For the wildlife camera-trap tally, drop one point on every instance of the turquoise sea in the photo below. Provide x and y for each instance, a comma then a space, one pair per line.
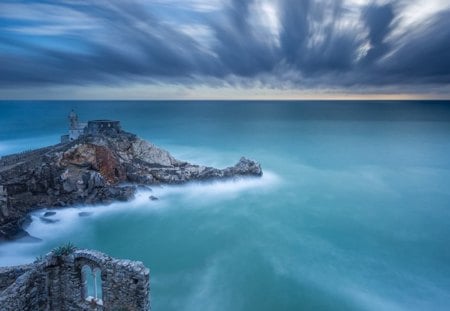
352, 213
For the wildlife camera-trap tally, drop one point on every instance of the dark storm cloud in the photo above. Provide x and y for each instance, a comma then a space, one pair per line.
378, 20
238, 49
118, 42
335, 53
135, 44
426, 55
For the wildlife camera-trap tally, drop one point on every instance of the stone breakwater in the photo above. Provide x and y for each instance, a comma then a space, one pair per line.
97, 168
62, 282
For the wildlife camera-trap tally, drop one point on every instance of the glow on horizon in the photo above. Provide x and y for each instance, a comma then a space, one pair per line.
181, 92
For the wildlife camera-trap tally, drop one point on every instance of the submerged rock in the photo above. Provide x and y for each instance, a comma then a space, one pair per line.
153, 198
96, 168
48, 220
84, 214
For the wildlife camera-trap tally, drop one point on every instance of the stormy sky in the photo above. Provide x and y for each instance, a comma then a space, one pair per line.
224, 49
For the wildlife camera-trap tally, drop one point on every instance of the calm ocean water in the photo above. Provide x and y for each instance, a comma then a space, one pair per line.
352, 213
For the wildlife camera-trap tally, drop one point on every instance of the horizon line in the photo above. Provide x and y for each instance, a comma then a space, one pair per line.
232, 99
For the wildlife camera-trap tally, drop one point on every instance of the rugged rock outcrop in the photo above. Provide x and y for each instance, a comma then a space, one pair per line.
95, 168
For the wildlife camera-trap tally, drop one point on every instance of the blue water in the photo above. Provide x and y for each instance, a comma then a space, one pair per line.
352, 213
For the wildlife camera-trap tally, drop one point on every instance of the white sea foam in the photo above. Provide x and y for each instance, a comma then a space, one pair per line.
16, 253
368, 300
220, 189
67, 221
209, 288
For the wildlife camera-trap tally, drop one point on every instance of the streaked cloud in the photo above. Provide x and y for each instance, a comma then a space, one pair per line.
268, 46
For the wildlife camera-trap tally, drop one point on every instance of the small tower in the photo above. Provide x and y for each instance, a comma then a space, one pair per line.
76, 128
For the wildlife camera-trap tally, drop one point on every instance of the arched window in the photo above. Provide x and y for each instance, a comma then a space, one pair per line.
92, 285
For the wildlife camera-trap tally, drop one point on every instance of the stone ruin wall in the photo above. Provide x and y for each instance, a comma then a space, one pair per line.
96, 127
57, 283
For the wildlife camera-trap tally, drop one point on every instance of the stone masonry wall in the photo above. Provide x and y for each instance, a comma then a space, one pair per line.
27, 293
9, 274
57, 283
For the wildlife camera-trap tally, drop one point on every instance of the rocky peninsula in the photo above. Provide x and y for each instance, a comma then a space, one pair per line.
99, 164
